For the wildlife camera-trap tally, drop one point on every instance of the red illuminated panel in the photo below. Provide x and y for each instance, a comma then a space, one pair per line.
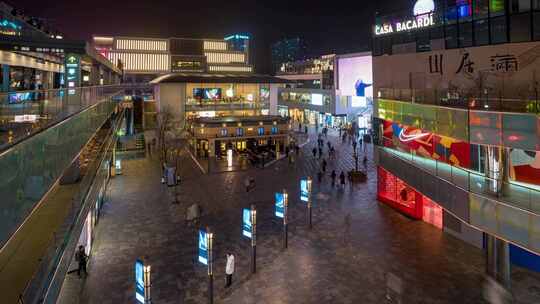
397, 194
432, 213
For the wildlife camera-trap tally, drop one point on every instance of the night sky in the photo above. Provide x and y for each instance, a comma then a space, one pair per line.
328, 26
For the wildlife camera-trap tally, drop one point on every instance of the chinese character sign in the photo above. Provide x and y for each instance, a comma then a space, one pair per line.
139, 281
279, 204
203, 247
246, 222
304, 193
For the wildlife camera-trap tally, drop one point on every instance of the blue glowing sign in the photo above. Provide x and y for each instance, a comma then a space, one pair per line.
236, 36
280, 199
203, 247
246, 222
9, 28
139, 281
304, 193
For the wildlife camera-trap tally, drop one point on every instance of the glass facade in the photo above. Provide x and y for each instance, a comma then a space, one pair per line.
466, 23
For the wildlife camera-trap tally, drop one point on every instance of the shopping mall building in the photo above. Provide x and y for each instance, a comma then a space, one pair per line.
457, 126
332, 90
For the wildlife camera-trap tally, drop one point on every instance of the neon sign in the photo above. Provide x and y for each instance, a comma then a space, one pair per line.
407, 25
9, 28
236, 37
422, 7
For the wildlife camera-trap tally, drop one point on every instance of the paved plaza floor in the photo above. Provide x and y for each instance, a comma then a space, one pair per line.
385, 257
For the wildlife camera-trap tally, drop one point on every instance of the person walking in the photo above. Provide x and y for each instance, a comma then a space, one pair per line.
324, 165
319, 176
320, 152
229, 269
333, 176
354, 145
81, 258
314, 151
305, 129
329, 145
342, 179
247, 183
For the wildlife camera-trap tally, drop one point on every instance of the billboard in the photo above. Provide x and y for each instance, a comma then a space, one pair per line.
246, 222
355, 79
203, 247
317, 99
139, 281
304, 194
279, 204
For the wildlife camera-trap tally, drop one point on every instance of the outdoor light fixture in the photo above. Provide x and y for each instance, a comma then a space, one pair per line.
229, 158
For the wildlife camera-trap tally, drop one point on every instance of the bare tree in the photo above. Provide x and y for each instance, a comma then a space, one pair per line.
164, 121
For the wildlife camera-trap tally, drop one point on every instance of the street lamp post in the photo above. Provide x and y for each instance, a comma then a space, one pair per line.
253, 239
285, 214
147, 284
210, 237
310, 203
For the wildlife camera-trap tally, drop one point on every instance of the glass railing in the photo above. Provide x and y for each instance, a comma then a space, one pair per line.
31, 167
529, 103
513, 194
47, 280
25, 113
513, 130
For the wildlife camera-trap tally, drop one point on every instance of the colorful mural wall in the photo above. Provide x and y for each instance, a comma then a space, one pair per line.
525, 166
427, 144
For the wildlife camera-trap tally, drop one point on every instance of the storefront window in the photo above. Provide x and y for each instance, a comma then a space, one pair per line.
274, 130
481, 32
520, 28
496, 8
520, 6
261, 130
240, 131
451, 36
481, 9
465, 34
498, 30
224, 132
536, 26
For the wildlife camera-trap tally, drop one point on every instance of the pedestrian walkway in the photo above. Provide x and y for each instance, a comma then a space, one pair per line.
383, 253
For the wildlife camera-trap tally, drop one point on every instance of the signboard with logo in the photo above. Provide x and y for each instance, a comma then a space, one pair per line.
304, 192
73, 70
246, 222
203, 247
139, 281
422, 18
9, 28
279, 204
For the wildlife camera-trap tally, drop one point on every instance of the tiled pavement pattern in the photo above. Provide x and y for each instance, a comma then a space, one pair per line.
320, 266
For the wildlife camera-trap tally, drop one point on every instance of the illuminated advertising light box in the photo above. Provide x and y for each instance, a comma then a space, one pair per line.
139, 281
265, 93
246, 222
203, 247
20, 97
317, 99
279, 204
304, 194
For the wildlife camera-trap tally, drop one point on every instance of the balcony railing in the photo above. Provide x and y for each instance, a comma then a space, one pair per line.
511, 193
529, 103
25, 113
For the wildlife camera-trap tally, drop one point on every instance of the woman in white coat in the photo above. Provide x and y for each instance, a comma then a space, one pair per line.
229, 269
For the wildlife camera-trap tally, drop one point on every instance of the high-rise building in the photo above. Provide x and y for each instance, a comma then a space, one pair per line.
288, 50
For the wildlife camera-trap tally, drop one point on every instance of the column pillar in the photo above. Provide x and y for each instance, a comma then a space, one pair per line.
5, 78
497, 259
497, 168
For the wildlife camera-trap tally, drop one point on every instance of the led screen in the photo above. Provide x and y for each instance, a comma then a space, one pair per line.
139, 281
317, 99
280, 207
304, 193
207, 93
356, 78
